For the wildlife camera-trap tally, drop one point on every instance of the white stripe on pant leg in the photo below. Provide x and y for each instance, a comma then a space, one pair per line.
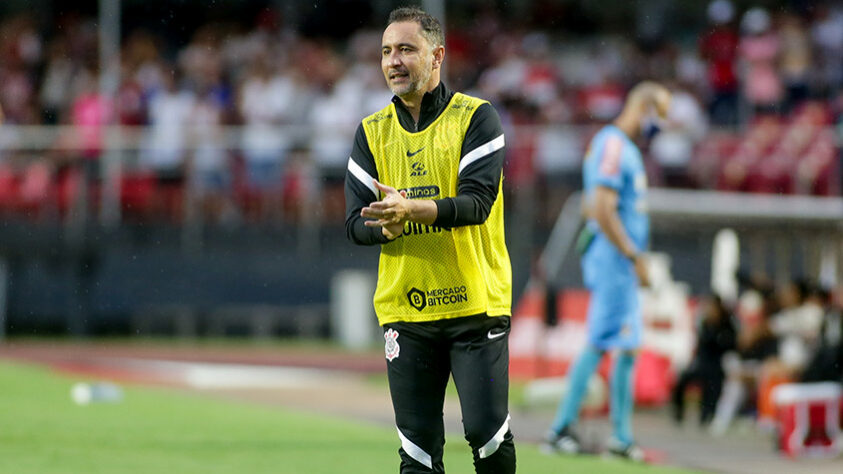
414, 451
492, 446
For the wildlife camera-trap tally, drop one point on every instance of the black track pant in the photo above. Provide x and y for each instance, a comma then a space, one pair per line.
710, 379
475, 350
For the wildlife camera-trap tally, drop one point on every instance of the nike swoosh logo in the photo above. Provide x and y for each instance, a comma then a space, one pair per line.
409, 155
492, 335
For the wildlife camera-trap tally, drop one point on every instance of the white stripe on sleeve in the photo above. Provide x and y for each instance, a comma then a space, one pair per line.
362, 176
481, 151
415, 451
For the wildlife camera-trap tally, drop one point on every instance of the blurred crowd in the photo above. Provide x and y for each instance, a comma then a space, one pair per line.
766, 87
773, 334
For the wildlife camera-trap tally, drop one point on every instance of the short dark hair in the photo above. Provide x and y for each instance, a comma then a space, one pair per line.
431, 28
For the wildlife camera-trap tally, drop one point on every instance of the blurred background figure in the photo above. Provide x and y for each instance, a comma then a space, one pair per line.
796, 60
673, 148
719, 49
798, 325
756, 344
826, 362
265, 103
614, 265
170, 111
827, 39
758, 53
716, 336
210, 164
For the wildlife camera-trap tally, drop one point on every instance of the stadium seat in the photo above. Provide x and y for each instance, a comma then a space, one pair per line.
137, 194
9, 184
782, 155
653, 378
36, 189
808, 418
710, 156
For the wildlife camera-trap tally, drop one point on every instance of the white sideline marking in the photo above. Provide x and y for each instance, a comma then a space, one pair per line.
205, 375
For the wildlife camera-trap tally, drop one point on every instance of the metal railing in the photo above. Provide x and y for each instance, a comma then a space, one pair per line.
786, 225
120, 151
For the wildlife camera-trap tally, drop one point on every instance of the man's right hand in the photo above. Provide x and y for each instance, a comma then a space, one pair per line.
395, 209
392, 231
642, 269
390, 213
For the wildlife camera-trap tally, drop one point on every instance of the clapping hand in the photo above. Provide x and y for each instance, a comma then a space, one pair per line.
390, 213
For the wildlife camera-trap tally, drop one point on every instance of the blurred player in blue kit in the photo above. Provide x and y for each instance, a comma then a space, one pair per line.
612, 245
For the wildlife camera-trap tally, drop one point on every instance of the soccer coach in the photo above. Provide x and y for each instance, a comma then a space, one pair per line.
424, 183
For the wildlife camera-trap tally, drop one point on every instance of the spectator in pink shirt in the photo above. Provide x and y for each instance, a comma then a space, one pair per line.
759, 53
90, 112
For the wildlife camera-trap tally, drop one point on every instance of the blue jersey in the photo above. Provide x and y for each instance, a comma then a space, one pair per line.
614, 161
614, 315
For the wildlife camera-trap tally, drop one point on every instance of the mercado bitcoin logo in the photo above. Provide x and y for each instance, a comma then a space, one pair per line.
439, 297
416, 297
446, 296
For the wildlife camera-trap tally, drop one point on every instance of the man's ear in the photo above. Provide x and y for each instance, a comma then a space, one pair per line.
438, 56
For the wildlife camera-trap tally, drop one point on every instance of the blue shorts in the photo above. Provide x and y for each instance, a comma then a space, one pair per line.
264, 175
614, 312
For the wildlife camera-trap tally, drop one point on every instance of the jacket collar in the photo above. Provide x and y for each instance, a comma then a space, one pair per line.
432, 105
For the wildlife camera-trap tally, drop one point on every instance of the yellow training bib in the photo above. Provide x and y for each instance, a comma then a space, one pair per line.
431, 273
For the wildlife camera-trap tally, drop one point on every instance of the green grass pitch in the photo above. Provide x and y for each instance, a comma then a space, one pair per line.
157, 430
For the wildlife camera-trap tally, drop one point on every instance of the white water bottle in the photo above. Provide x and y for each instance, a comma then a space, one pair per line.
100, 392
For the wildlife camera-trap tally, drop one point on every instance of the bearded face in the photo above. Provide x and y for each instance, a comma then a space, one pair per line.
406, 59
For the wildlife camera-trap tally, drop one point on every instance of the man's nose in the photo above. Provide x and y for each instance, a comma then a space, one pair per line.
393, 59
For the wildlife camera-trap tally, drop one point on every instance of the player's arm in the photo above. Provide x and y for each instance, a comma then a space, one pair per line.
585, 209
360, 192
480, 171
605, 211
604, 205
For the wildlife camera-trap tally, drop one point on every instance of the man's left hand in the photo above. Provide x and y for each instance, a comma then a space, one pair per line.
390, 213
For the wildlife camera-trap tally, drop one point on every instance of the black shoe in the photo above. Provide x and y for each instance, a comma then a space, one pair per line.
565, 442
677, 416
629, 451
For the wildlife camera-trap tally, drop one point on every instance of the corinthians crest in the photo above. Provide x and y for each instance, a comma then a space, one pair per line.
391, 348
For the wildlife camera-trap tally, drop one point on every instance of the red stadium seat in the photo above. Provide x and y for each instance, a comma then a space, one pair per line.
780, 155
69, 182
137, 194
808, 418
653, 378
36, 188
9, 184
